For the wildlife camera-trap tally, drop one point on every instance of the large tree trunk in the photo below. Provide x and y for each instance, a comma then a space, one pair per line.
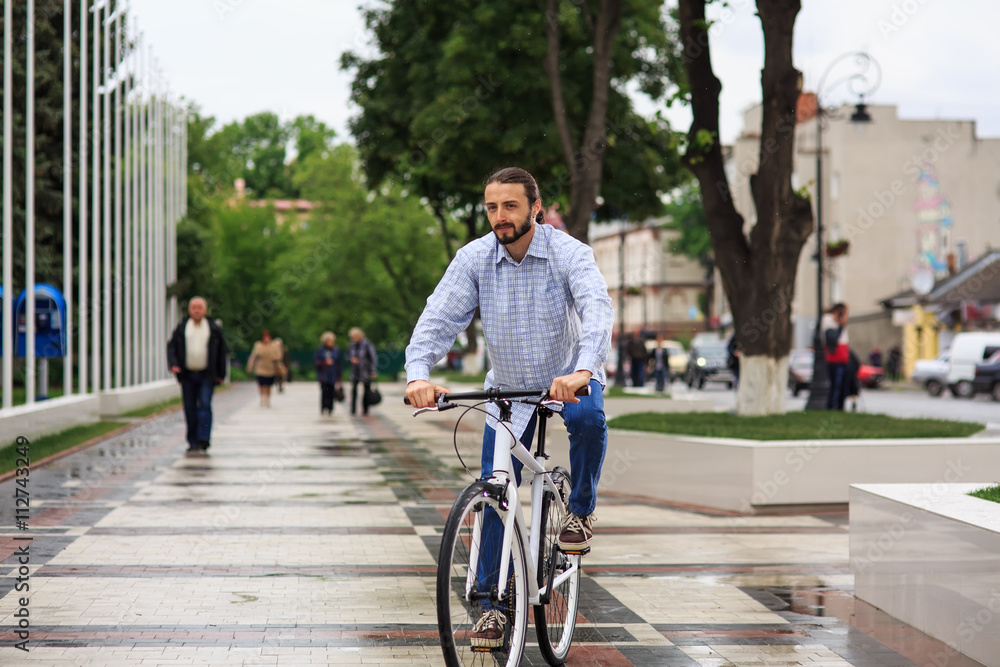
586, 161
758, 272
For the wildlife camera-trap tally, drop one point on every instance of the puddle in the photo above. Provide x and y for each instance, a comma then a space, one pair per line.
807, 601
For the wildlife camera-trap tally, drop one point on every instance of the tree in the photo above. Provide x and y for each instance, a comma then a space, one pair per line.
757, 268
365, 259
458, 89
248, 243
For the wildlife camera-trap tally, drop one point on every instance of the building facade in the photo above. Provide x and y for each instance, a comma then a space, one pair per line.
914, 200
651, 288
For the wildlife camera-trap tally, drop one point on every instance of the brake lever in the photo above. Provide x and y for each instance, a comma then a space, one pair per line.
422, 410
551, 403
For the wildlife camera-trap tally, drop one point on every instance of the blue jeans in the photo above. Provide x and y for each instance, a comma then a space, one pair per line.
661, 379
838, 378
588, 442
196, 390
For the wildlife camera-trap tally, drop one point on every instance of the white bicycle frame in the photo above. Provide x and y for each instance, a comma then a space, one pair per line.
505, 446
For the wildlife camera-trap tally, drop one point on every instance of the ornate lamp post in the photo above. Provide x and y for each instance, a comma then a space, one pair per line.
863, 79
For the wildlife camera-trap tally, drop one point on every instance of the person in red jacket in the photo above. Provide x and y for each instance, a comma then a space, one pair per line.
838, 354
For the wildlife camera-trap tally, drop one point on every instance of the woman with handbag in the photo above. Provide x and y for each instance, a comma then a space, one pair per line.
364, 362
265, 364
329, 366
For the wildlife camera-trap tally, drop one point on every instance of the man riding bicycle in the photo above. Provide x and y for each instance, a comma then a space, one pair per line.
547, 319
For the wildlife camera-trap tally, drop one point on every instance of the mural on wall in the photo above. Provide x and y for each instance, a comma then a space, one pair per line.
934, 226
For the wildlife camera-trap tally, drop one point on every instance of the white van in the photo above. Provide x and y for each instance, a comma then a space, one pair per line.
968, 349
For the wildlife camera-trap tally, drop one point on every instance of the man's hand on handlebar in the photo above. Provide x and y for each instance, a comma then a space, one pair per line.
564, 387
423, 394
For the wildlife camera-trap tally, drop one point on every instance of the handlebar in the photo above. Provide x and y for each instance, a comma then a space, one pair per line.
496, 394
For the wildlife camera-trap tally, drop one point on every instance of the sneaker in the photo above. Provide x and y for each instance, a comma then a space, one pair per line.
577, 532
489, 630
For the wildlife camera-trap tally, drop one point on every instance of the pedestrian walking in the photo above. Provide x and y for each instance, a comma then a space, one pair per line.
893, 363
286, 366
638, 356
265, 363
196, 355
733, 355
364, 366
329, 366
835, 347
661, 365
547, 320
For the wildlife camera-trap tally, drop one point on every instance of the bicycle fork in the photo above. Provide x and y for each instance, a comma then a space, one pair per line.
510, 505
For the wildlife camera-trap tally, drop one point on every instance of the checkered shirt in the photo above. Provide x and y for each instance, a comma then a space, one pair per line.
546, 316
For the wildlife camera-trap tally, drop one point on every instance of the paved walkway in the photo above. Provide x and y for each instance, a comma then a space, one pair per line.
308, 540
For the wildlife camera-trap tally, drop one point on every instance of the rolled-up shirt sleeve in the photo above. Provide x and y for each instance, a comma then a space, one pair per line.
448, 311
593, 305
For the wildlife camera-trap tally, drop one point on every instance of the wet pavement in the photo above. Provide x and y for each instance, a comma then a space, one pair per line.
309, 540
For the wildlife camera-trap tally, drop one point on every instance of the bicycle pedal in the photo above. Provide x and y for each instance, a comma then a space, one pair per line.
575, 552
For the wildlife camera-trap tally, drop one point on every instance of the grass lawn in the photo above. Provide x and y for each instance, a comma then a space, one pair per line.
154, 408
988, 493
19, 393
810, 425
614, 391
40, 448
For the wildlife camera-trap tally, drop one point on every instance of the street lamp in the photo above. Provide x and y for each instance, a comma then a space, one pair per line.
620, 370
862, 80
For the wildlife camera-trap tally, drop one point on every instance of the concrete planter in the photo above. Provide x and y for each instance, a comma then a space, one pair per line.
929, 555
748, 475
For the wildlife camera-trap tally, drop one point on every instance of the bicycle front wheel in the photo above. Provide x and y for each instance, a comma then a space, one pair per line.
468, 582
558, 578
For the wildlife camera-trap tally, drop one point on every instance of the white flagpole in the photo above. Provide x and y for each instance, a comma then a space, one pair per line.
8, 205
161, 307
118, 276
143, 218
129, 219
67, 286
106, 301
29, 213
82, 204
150, 220
95, 213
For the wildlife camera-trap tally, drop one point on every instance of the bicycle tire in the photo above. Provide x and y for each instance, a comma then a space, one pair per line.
555, 621
456, 615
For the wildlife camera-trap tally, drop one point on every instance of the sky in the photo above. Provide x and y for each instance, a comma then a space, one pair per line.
234, 58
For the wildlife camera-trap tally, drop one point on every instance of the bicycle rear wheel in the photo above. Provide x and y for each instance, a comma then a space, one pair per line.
457, 609
555, 621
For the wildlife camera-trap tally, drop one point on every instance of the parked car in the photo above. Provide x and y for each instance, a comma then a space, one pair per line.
932, 374
709, 363
987, 378
968, 349
870, 376
800, 370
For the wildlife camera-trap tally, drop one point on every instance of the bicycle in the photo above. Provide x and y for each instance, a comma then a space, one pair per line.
535, 571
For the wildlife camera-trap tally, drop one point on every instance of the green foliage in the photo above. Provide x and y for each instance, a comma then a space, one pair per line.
991, 493
367, 260
810, 425
687, 215
249, 244
458, 89
255, 149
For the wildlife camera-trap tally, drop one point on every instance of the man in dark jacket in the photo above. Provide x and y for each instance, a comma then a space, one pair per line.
196, 354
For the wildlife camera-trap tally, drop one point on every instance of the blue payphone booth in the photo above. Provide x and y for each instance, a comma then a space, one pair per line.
50, 329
